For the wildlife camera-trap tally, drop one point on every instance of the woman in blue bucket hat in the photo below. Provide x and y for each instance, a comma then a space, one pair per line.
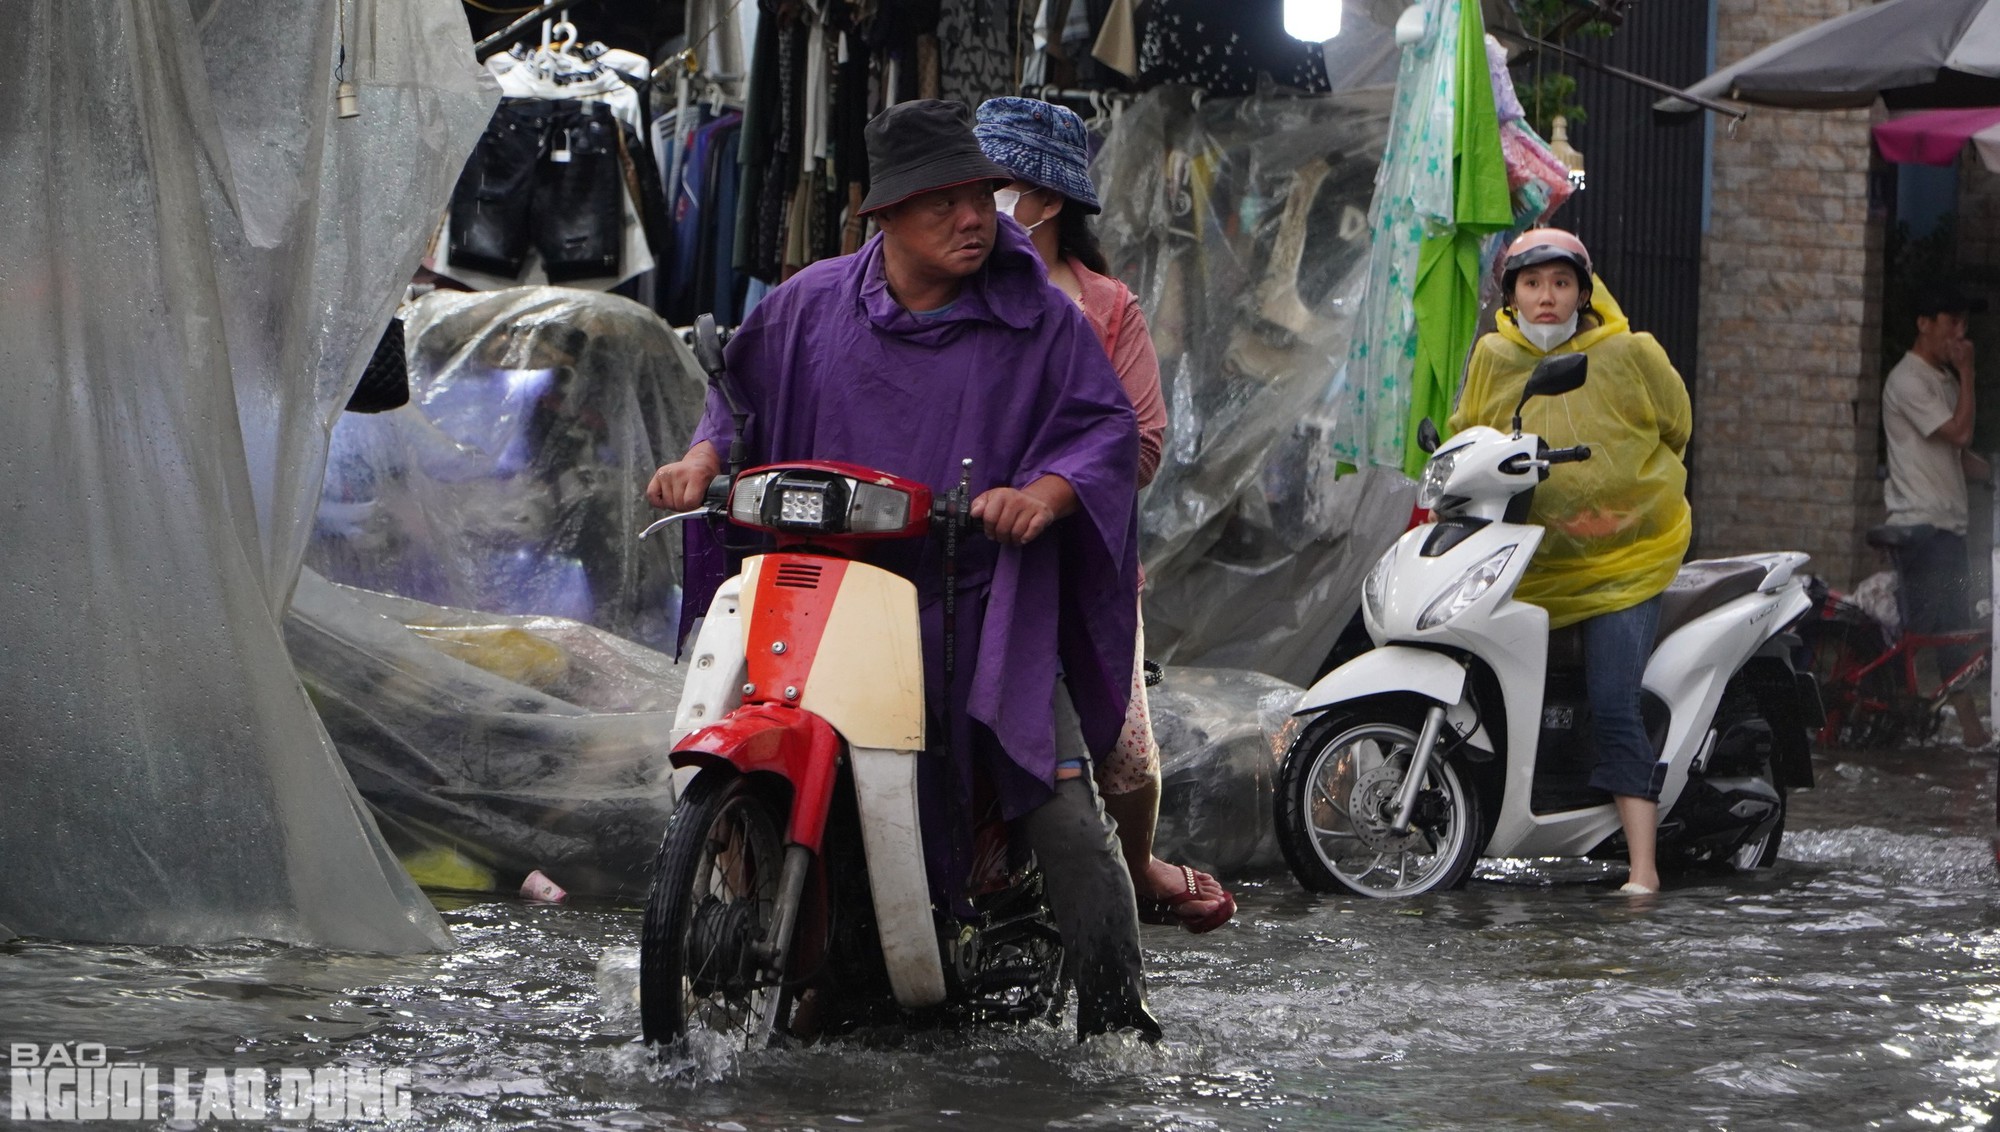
1046, 148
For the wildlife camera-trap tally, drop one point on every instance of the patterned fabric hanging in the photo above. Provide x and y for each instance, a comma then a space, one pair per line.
1413, 200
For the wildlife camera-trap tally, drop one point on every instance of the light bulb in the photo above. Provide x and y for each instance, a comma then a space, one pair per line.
1314, 21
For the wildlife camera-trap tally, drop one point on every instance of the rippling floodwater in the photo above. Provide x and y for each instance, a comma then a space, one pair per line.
1856, 985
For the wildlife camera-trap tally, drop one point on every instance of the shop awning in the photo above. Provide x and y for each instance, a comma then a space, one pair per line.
1935, 137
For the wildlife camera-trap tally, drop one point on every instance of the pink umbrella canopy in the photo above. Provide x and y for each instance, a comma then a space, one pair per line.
1935, 137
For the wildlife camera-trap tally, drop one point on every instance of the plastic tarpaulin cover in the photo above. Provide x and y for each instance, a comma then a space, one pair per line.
1223, 734
1242, 225
497, 744
200, 259
514, 481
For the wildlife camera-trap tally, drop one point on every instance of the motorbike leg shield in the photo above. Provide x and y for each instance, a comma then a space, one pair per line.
885, 791
1091, 894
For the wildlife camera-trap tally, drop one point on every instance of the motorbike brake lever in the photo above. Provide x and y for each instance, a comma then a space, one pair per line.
658, 523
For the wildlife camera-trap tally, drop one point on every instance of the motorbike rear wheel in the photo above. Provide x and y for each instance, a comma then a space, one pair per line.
713, 901
1336, 801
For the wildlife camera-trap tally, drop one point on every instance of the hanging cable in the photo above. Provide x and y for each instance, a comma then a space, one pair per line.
346, 99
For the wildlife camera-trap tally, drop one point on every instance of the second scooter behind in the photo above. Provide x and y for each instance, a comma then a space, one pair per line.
1466, 732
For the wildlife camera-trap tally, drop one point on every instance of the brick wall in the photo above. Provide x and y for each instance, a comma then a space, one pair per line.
1787, 386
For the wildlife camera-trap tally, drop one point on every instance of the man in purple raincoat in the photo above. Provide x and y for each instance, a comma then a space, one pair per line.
941, 341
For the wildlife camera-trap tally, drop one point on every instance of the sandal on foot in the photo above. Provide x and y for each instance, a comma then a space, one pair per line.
1166, 911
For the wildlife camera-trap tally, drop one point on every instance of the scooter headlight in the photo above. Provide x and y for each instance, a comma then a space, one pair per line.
1470, 587
1430, 490
1376, 583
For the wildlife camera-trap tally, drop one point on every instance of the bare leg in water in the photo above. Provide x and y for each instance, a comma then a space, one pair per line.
1641, 820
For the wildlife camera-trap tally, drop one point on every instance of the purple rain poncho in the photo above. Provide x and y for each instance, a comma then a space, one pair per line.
831, 367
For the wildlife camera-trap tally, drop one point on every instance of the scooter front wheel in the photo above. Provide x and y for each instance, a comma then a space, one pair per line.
713, 902
1337, 801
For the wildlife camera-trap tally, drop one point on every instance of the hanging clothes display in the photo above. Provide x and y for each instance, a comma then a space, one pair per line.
977, 43
1447, 296
1413, 200
562, 188
699, 273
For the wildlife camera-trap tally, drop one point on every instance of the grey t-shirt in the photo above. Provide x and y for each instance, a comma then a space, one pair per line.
1926, 478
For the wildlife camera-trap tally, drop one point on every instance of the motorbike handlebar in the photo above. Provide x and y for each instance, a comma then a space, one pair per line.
942, 518
1567, 455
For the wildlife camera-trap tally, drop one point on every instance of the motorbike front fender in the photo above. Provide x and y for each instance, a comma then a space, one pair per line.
1391, 668
795, 745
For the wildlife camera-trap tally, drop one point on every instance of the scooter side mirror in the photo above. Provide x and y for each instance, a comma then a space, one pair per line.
707, 339
1427, 436
1552, 376
1556, 375
708, 342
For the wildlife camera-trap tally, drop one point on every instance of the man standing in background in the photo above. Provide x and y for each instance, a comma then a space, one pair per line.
1927, 414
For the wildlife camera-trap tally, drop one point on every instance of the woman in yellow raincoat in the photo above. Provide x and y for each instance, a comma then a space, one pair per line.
1618, 524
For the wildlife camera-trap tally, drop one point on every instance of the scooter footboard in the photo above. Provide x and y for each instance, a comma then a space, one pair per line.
885, 791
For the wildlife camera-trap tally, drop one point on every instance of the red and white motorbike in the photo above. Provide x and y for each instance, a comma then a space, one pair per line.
790, 896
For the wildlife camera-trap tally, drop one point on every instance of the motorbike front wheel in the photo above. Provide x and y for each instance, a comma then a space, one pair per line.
1337, 800
713, 901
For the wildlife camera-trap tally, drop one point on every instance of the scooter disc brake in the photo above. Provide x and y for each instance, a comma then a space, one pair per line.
1374, 810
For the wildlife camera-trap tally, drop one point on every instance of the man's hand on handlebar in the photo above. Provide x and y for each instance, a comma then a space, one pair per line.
1017, 517
681, 485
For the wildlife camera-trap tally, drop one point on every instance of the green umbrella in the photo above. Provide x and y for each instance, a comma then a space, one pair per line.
1447, 292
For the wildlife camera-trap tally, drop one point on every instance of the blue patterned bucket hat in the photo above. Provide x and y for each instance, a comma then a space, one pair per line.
1042, 143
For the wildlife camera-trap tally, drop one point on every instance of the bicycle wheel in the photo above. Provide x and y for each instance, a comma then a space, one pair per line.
1854, 705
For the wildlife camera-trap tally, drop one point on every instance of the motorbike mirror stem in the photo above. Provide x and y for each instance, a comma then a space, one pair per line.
708, 339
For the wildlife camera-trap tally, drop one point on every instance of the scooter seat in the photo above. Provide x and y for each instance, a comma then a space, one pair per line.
1699, 587
1706, 585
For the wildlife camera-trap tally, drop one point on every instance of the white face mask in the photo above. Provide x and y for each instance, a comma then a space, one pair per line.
1006, 200
1548, 335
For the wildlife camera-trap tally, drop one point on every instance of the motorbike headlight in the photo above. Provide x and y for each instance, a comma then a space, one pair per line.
746, 502
1377, 581
878, 509
1430, 490
1470, 587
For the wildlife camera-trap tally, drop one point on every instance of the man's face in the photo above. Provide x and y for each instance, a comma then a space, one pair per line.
945, 233
1937, 332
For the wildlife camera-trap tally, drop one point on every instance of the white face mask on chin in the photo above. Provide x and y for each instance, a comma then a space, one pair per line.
1547, 336
1005, 201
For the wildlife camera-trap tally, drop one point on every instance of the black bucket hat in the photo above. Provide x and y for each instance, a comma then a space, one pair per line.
915, 147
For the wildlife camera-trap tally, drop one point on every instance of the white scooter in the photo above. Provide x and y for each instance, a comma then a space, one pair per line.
1466, 731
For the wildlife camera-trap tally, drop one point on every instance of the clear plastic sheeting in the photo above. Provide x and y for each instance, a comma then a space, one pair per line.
489, 747
1223, 733
200, 258
514, 480
1242, 223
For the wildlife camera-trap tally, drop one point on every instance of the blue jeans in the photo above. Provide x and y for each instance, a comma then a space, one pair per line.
1616, 647
1935, 592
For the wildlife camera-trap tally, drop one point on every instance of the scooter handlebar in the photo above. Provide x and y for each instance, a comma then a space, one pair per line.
1567, 455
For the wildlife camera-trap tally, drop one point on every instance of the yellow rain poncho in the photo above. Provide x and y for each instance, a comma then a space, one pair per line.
1618, 523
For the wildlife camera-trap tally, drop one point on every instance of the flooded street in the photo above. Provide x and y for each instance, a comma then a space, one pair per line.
1856, 985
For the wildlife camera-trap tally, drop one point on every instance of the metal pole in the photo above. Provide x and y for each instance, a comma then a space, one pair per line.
1628, 76
500, 40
